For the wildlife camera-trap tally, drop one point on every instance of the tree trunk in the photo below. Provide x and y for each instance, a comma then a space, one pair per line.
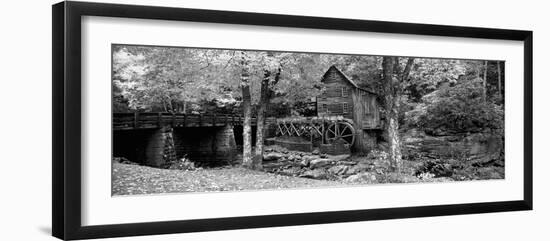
393, 138
164, 106
260, 121
393, 82
484, 94
499, 82
173, 105
247, 113
247, 130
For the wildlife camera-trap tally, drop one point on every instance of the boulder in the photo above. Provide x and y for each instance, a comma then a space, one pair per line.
441, 143
273, 156
339, 157
293, 171
295, 157
315, 174
319, 162
365, 177
123, 160
338, 170
437, 167
347, 163
490, 173
309, 158
315, 152
290, 157
360, 167
304, 162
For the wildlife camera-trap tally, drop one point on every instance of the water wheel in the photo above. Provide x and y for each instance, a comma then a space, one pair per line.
340, 131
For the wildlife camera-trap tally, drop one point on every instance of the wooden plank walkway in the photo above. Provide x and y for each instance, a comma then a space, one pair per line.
151, 120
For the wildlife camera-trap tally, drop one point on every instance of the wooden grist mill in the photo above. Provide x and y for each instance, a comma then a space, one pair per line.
348, 119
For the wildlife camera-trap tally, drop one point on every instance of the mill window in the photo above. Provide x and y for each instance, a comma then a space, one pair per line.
324, 108
345, 108
345, 91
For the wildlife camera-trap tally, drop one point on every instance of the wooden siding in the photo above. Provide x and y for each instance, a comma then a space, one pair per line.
337, 93
367, 106
371, 110
366, 117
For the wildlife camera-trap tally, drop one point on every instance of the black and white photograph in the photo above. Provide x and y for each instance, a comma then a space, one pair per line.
275, 120
211, 120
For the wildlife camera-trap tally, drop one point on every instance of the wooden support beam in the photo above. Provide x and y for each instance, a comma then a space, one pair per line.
280, 129
323, 132
173, 119
159, 119
136, 116
295, 129
311, 131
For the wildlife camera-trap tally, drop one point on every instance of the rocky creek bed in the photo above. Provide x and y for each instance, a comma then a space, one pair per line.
375, 168
370, 169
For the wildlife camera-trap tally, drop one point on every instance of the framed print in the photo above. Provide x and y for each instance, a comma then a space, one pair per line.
172, 120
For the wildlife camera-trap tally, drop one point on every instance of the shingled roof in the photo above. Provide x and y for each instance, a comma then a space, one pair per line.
347, 78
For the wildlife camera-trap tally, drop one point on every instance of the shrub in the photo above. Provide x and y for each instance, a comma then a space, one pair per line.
182, 164
461, 109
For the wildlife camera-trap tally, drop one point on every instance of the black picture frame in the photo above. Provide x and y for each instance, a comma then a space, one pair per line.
66, 184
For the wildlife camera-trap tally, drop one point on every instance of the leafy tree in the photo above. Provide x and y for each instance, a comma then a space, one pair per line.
161, 78
120, 103
394, 76
430, 74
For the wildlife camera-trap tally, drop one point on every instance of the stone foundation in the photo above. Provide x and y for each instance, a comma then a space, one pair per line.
472, 146
206, 145
160, 148
335, 149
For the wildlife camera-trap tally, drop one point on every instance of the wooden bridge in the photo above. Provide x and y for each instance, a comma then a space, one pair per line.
158, 138
149, 120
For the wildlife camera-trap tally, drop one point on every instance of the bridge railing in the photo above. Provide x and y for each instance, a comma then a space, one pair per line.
158, 119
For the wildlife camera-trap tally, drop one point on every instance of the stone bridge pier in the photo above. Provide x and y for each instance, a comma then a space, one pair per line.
161, 146
206, 145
